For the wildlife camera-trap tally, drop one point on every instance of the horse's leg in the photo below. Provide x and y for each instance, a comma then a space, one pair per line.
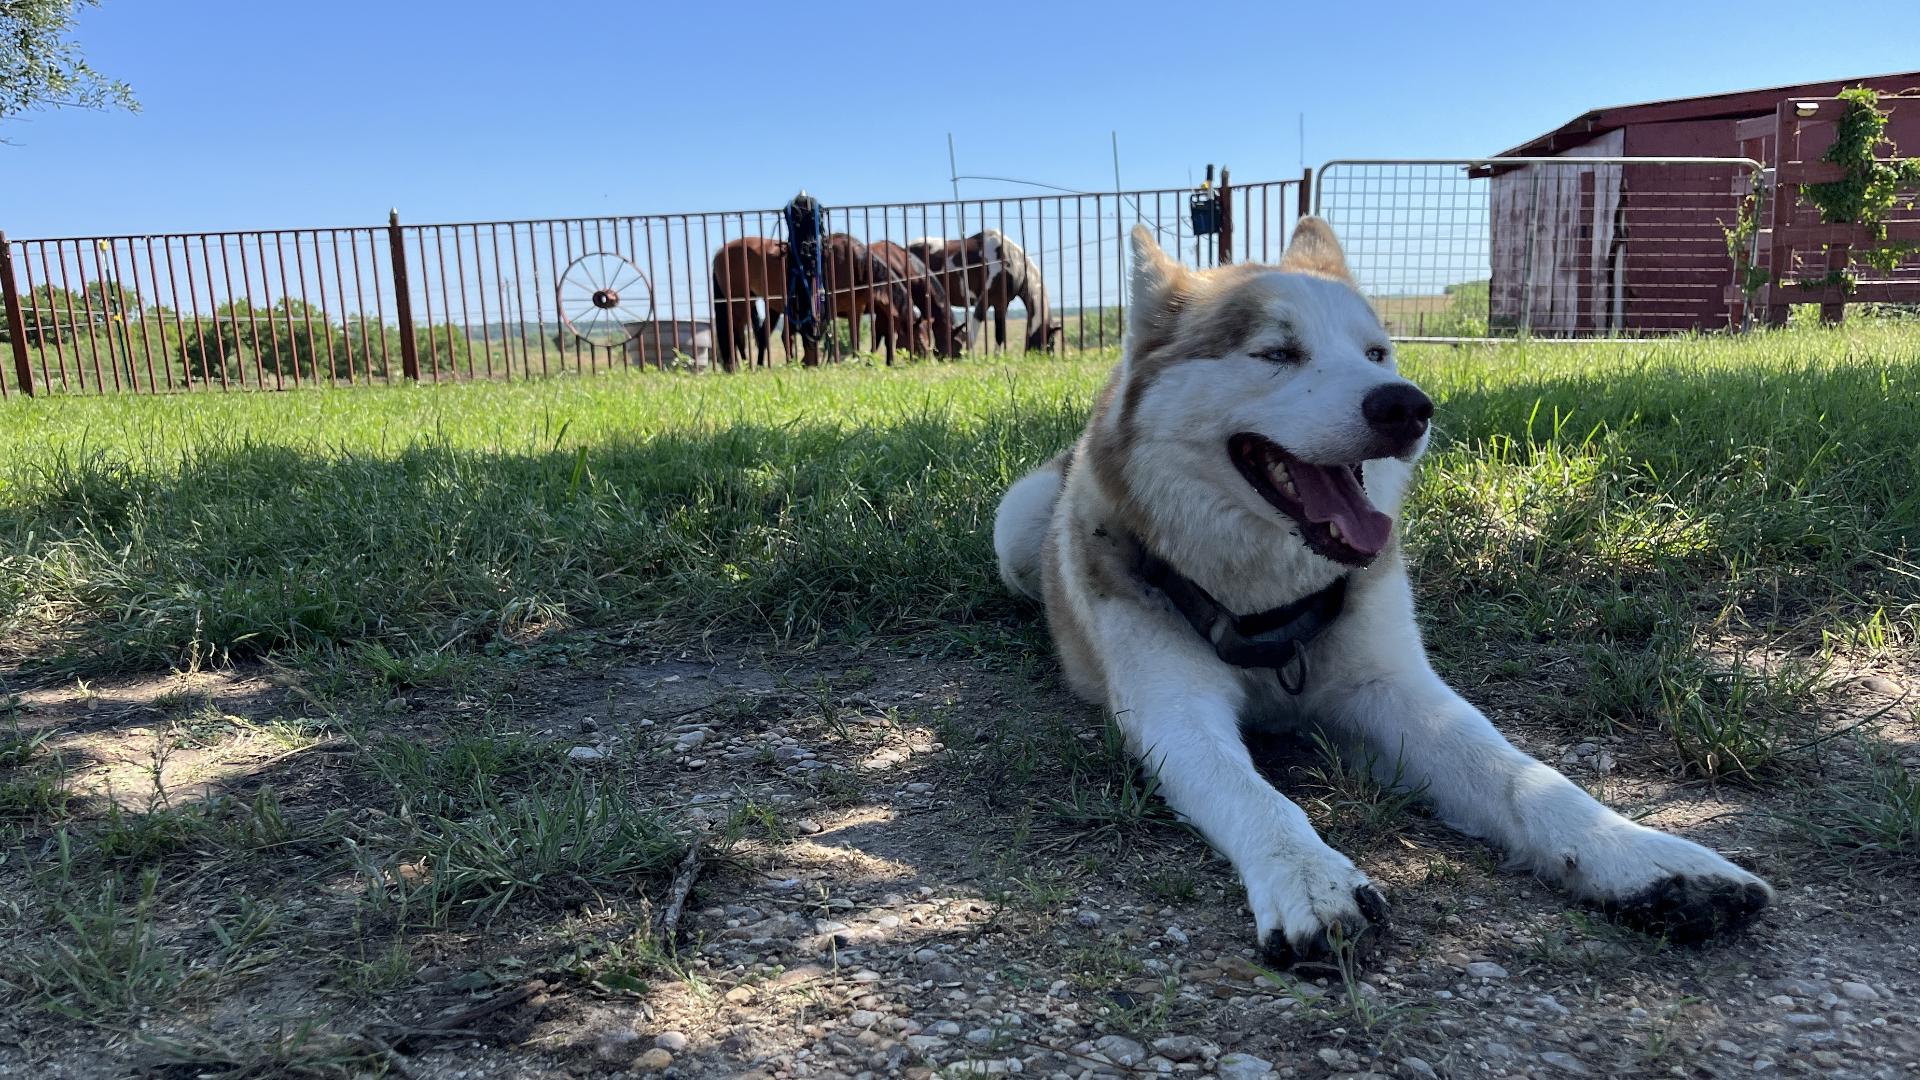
760, 326
723, 332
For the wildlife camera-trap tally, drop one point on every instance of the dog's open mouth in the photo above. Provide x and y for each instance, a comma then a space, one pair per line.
1328, 502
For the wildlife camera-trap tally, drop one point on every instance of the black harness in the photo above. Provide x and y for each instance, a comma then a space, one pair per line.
1275, 638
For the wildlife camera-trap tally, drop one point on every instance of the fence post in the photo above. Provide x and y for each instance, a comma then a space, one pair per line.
402, 298
16, 319
1306, 194
1835, 312
1785, 198
1224, 251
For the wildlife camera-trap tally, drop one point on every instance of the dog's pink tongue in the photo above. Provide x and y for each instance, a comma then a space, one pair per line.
1333, 494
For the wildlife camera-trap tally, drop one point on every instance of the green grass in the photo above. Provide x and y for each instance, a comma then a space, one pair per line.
105, 957
1873, 810
1647, 527
488, 821
181, 531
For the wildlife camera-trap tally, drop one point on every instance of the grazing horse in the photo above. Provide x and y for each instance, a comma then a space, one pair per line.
744, 269
860, 282
988, 271
929, 296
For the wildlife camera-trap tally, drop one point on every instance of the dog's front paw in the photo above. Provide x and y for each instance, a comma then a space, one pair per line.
1668, 886
1689, 908
1307, 910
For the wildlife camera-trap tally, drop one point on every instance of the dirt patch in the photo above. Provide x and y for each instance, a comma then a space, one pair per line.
916, 866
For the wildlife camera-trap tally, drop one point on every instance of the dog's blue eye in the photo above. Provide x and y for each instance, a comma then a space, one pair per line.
1283, 354
1377, 354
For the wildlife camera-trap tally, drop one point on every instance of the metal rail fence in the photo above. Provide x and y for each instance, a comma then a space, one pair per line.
284, 308
1549, 247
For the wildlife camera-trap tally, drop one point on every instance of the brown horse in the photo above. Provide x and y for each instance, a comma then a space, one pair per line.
743, 270
929, 295
987, 271
860, 282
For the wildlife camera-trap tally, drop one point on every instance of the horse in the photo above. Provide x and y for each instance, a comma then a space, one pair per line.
745, 269
988, 271
929, 296
860, 282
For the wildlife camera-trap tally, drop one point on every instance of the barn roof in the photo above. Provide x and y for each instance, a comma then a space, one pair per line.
1730, 105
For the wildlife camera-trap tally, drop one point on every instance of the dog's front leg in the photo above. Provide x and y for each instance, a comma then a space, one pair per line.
1420, 734
1179, 707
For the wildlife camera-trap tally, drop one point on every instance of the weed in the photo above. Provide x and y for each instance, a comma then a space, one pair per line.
1099, 966
141, 839
18, 747
36, 792
1099, 803
1871, 810
105, 960
1734, 722
624, 965
1171, 885
838, 788
411, 668
1145, 1015
1356, 805
550, 848
752, 815
462, 769
1665, 1028
365, 978
301, 1052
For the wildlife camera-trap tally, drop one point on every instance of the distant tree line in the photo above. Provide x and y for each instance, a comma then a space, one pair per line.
284, 338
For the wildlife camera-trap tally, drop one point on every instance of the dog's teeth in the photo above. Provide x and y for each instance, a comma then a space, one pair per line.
1333, 528
1283, 479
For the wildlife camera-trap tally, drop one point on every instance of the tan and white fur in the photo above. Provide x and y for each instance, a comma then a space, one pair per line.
1291, 354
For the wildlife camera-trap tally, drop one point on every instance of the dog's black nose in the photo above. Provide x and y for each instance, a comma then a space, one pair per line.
1398, 411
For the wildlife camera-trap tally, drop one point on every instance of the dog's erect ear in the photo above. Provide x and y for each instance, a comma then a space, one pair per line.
1157, 280
1314, 250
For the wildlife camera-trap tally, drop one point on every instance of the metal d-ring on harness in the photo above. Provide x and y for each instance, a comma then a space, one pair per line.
806, 223
1275, 638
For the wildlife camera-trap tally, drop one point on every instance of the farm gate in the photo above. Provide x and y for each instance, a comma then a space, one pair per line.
283, 308
1550, 247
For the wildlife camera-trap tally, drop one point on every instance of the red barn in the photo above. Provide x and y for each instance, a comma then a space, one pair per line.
1638, 248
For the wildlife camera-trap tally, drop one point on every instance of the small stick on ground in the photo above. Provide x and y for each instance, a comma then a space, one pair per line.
668, 927
460, 1023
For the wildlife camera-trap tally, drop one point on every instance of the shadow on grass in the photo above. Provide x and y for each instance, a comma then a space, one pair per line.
1650, 510
794, 532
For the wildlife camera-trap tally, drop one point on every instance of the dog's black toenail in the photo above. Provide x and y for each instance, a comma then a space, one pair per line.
1372, 904
1690, 910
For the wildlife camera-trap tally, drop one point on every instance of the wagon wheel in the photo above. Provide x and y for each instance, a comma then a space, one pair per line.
603, 298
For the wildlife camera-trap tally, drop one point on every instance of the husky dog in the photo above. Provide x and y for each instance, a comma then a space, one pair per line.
1220, 548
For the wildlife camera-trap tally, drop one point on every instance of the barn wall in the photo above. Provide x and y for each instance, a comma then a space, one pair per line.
1675, 219
1572, 214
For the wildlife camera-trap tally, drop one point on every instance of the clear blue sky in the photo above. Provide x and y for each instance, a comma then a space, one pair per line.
280, 114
